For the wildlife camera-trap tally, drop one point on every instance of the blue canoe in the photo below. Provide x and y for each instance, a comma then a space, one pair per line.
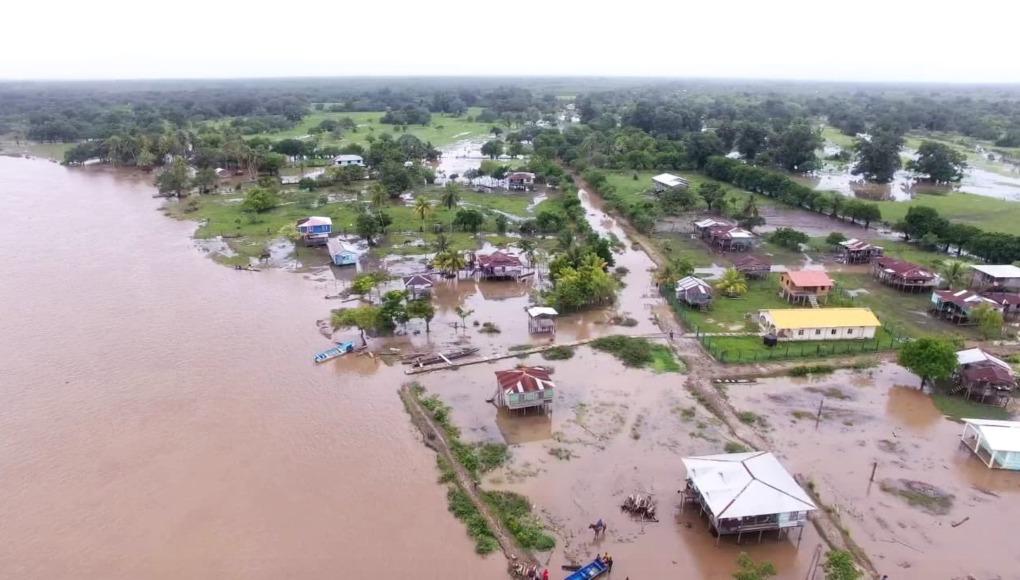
593, 570
339, 349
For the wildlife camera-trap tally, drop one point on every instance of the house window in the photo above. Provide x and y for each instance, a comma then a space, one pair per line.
800, 333
849, 331
833, 332
818, 331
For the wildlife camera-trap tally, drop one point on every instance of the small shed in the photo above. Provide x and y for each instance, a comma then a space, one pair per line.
666, 181
956, 305
694, 292
805, 286
1002, 277
524, 388
542, 320
345, 160
996, 443
753, 266
744, 493
854, 251
315, 230
984, 376
819, 323
418, 285
520, 181
342, 253
905, 276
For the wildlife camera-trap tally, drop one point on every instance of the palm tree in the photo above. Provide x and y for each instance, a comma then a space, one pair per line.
732, 283
442, 243
676, 269
378, 196
422, 209
954, 272
449, 261
451, 196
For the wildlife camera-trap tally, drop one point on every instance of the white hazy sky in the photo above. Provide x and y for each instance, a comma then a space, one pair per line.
859, 40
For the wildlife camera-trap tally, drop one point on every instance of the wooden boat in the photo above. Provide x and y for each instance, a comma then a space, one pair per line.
331, 353
421, 360
594, 569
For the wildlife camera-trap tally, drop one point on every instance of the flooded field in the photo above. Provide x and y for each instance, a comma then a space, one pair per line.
926, 482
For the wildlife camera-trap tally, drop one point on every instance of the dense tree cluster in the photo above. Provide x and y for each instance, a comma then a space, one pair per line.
924, 223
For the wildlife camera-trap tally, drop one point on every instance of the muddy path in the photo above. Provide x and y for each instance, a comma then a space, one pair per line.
702, 369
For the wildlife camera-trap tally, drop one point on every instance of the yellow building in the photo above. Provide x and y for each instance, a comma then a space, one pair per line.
819, 323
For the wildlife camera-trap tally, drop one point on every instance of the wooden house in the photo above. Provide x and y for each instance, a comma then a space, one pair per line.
694, 292
956, 305
789, 324
904, 276
542, 320
854, 251
753, 266
996, 278
315, 230
745, 493
996, 443
418, 285
1009, 301
805, 286
520, 181
667, 181
524, 388
729, 238
983, 377
342, 253
498, 265
702, 226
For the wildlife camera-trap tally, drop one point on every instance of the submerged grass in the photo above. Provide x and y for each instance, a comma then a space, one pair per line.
957, 408
639, 352
514, 512
558, 353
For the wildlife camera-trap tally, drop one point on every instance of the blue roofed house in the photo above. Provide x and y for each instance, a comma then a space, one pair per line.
315, 230
342, 253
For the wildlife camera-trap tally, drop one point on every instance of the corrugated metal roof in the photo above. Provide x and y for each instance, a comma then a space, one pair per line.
976, 355
669, 180
737, 485
1004, 271
804, 278
541, 311
337, 246
524, 380
315, 220
417, 280
797, 318
999, 435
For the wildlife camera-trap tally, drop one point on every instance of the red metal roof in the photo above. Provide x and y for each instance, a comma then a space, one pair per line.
988, 372
965, 299
751, 262
1003, 298
521, 175
524, 380
498, 258
904, 269
809, 278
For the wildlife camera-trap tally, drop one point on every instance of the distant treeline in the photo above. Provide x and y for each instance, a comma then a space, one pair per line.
924, 224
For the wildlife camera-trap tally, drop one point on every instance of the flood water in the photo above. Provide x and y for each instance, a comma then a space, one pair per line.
160, 416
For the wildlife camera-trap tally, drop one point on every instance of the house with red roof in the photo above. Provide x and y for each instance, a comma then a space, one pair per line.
805, 286
984, 377
905, 276
524, 388
498, 264
854, 251
956, 305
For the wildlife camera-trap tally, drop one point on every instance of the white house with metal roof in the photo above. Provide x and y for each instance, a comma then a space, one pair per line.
345, 160
994, 277
746, 492
996, 443
666, 181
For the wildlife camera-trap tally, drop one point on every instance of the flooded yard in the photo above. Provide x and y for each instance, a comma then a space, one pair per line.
926, 483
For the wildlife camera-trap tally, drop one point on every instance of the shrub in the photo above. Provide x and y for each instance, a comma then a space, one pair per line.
558, 353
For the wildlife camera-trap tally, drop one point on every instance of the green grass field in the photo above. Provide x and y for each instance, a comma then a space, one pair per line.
55, 151
745, 349
731, 314
443, 130
834, 136
957, 407
988, 213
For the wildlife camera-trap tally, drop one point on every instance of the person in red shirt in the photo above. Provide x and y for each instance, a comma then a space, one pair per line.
545, 574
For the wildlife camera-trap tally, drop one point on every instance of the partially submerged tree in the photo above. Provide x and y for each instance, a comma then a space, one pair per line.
839, 565
940, 162
365, 318
878, 158
463, 314
175, 179
205, 179
751, 570
422, 309
931, 359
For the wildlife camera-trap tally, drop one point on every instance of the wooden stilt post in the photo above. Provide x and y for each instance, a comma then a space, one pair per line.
819, 416
873, 468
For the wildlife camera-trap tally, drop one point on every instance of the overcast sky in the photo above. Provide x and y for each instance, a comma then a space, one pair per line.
887, 40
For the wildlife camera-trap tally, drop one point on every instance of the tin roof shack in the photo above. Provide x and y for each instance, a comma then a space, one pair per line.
802, 286
418, 285
702, 226
315, 230
694, 292
498, 265
819, 323
524, 388
854, 251
666, 181
730, 238
996, 443
753, 266
745, 493
1009, 301
956, 305
905, 276
983, 376
342, 253
542, 320
520, 181
996, 278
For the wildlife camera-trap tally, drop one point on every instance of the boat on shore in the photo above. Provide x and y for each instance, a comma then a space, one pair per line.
341, 348
593, 569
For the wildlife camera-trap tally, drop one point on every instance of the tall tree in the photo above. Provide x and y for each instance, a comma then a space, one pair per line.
878, 158
794, 147
422, 209
492, 149
953, 272
422, 309
174, 179
205, 179
931, 359
989, 320
451, 196
713, 194
940, 162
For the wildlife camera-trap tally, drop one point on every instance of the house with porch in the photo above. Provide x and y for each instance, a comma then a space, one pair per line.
520, 181
542, 320
523, 389
956, 305
667, 181
805, 286
996, 278
694, 292
702, 226
417, 285
753, 266
498, 265
1009, 301
315, 230
341, 253
729, 238
854, 251
904, 276
983, 377
995, 443
789, 324
745, 493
